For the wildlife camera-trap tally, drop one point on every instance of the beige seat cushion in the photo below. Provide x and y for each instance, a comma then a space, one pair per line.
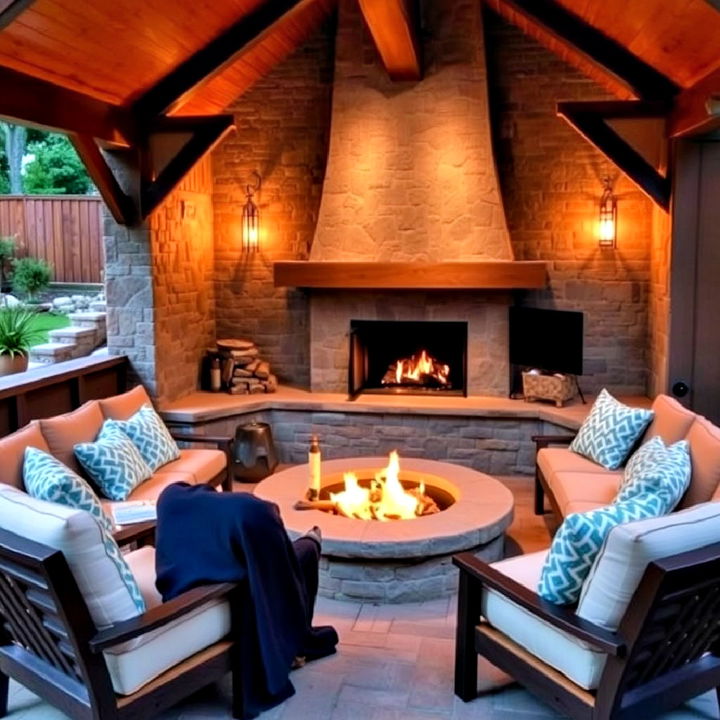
12, 452
671, 421
63, 432
555, 459
151, 488
200, 465
125, 405
135, 663
704, 439
558, 649
573, 487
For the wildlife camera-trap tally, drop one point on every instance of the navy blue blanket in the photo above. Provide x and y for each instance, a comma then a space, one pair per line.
204, 537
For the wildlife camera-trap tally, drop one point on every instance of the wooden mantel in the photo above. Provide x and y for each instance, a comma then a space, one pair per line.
480, 275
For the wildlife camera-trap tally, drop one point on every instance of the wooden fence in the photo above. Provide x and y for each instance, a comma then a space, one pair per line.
65, 230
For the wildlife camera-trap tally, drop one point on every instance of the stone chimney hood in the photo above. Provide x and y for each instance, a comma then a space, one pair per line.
411, 198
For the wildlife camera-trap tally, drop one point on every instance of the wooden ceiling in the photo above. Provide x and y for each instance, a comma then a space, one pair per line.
680, 38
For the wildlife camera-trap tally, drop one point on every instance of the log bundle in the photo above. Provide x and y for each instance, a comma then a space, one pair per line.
244, 372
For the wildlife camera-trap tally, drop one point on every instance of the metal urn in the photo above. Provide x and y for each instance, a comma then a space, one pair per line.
254, 453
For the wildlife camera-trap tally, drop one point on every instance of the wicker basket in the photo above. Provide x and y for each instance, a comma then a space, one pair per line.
548, 387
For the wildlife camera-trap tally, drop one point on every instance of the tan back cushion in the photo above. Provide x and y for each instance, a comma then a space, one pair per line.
671, 421
12, 452
63, 432
704, 439
123, 407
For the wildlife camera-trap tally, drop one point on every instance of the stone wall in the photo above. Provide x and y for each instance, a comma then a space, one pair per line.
282, 129
551, 179
410, 172
181, 232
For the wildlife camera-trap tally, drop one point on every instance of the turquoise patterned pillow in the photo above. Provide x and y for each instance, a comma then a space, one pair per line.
659, 469
113, 462
46, 478
150, 436
112, 550
610, 430
579, 540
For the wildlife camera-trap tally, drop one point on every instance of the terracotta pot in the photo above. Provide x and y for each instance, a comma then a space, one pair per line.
13, 364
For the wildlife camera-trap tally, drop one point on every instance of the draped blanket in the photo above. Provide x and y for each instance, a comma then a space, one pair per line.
205, 537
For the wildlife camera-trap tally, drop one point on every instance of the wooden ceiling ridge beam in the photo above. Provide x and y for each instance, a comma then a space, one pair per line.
206, 133
30, 100
622, 69
394, 27
590, 123
697, 108
187, 78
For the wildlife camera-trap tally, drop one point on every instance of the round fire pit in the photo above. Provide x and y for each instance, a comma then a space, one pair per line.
398, 560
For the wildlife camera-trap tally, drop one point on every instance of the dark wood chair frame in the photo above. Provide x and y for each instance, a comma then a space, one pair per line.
50, 644
541, 485
666, 649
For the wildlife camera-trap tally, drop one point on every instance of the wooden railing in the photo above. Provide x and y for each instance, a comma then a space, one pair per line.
59, 388
65, 230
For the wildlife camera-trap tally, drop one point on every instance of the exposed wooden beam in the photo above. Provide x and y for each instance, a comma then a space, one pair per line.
29, 100
393, 25
617, 109
206, 133
555, 26
697, 109
121, 206
178, 86
10, 9
592, 126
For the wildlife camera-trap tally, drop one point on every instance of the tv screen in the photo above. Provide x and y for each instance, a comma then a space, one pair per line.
550, 340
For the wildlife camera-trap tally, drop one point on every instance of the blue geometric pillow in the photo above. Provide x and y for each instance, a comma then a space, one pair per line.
46, 478
150, 436
112, 550
113, 463
579, 540
610, 431
656, 468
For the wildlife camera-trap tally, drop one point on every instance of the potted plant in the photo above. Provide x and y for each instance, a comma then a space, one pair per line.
18, 332
31, 276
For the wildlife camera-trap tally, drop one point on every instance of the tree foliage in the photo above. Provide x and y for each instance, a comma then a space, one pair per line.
56, 169
31, 276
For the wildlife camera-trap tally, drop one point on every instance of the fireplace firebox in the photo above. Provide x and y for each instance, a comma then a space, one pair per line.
407, 357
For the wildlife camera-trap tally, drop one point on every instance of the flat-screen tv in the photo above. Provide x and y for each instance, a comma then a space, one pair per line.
550, 340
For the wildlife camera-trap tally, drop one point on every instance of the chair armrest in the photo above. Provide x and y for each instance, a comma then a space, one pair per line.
543, 441
158, 616
143, 533
556, 615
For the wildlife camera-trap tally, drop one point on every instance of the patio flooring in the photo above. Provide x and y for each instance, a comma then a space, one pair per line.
394, 662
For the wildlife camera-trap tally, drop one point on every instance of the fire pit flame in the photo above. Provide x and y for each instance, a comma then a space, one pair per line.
420, 369
385, 499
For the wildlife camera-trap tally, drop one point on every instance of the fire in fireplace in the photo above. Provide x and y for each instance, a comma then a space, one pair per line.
411, 357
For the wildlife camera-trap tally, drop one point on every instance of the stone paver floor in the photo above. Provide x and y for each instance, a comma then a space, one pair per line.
394, 663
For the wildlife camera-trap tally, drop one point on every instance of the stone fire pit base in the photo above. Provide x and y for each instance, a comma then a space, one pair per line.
402, 560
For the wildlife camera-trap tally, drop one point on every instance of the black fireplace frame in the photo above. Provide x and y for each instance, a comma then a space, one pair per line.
358, 370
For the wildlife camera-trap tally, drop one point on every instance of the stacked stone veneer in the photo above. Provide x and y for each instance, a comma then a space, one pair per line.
551, 179
493, 444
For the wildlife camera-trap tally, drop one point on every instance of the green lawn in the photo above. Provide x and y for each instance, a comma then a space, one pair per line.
45, 322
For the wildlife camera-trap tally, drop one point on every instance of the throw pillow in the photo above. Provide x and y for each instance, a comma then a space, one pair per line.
578, 542
610, 430
46, 478
150, 436
113, 463
657, 469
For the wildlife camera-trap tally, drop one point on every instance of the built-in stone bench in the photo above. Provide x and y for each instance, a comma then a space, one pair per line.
489, 434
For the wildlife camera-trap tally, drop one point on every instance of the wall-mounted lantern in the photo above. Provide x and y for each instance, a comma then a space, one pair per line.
251, 218
607, 238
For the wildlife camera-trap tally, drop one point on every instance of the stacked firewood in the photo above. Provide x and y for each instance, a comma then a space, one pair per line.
243, 370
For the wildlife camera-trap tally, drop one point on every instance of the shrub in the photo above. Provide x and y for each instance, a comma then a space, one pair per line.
31, 276
18, 330
7, 251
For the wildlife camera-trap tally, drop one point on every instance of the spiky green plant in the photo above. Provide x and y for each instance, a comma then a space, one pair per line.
18, 330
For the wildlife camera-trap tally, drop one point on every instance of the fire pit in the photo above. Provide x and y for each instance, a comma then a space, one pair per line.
369, 560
